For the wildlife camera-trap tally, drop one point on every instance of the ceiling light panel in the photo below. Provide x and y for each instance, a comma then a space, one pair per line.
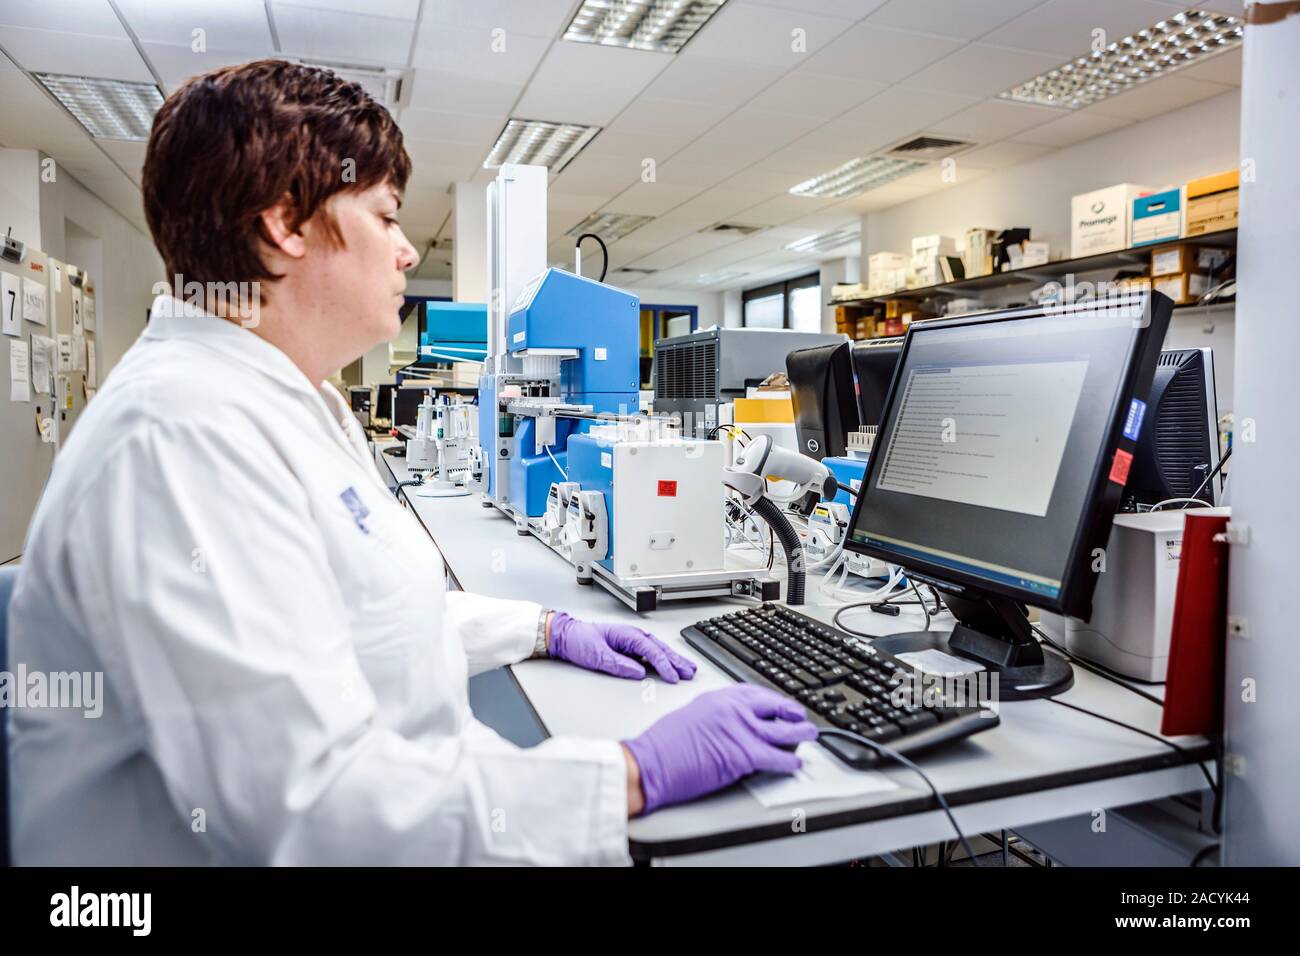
826, 240
610, 226
856, 176
383, 85
538, 143
107, 109
1183, 39
664, 26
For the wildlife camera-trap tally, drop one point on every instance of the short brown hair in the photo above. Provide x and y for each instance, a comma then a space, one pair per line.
232, 143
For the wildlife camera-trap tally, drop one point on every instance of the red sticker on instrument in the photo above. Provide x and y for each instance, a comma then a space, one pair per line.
1119, 468
667, 489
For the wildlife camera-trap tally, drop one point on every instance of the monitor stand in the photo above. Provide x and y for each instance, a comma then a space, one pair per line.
993, 631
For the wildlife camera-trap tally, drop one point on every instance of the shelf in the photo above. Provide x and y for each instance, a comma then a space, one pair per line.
1043, 273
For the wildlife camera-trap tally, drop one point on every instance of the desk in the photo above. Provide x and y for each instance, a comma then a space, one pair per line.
1043, 762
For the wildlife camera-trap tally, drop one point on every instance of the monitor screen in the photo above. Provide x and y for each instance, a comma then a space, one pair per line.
874, 361
999, 439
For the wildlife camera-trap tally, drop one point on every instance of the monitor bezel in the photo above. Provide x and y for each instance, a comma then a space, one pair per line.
1078, 580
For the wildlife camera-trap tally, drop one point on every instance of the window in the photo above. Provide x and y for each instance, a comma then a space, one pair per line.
793, 304
663, 322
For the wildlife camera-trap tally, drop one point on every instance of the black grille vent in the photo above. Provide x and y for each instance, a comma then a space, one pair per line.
1180, 449
687, 371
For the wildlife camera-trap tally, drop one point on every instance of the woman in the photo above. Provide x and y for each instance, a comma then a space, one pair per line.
284, 676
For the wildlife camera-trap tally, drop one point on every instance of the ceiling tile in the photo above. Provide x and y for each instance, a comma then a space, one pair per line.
967, 20
442, 153
1072, 128
435, 90
675, 172
94, 17
668, 118
128, 156
1159, 96
849, 9
894, 114
771, 37
398, 9
1001, 155
868, 52
442, 126
824, 97
993, 120
759, 132
596, 174
982, 70
723, 202
623, 144
471, 52
176, 64
43, 51
1066, 28
782, 209
650, 199
1224, 68
344, 37
584, 83
228, 25
538, 18
710, 82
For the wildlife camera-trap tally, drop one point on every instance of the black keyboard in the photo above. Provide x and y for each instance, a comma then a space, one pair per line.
841, 680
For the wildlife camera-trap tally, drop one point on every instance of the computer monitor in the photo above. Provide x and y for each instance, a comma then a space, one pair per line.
406, 403
874, 362
1005, 446
383, 407
821, 388
1180, 445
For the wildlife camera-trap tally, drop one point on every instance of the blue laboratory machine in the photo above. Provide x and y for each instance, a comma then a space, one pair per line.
566, 452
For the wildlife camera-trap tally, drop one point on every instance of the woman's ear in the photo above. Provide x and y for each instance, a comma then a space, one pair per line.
278, 229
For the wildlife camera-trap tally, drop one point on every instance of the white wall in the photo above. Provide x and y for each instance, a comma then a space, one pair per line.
75, 222
1194, 141
20, 195
708, 304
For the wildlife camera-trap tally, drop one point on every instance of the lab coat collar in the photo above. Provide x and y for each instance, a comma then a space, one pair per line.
175, 319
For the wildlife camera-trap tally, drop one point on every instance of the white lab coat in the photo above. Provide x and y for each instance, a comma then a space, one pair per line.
284, 671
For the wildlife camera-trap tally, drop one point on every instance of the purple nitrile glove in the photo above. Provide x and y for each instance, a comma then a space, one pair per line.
715, 740
615, 649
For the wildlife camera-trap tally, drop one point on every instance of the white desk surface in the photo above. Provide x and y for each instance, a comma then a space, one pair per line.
1043, 762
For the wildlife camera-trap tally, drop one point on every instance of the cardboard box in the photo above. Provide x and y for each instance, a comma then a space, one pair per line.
886, 272
934, 246
1157, 217
1212, 203
1185, 257
1099, 220
894, 308
1183, 288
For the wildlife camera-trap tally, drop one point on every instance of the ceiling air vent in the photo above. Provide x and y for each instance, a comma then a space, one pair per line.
928, 148
633, 271
732, 229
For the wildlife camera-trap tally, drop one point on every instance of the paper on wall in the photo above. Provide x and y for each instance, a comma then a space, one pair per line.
76, 311
92, 375
58, 278
78, 353
20, 388
42, 360
11, 307
34, 301
65, 354
88, 313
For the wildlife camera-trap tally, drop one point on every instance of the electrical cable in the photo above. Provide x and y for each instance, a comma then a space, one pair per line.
577, 246
408, 483
1098, 669
896, 756
563, 474
790, 544
920, 600
1202, 853
1185, 502
1137, 730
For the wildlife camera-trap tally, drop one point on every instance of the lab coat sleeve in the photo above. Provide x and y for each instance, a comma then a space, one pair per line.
225, 632
494, 631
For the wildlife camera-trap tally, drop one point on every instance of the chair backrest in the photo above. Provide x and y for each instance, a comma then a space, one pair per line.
8, 575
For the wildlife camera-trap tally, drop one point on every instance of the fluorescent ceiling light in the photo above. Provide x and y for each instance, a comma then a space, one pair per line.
610, 226
1157, 51
538, 143
855, 176
108, 109
661, 25
826, 240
